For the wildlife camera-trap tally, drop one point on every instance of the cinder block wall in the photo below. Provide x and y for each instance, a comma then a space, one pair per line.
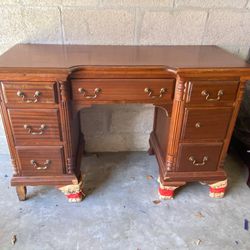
116, 128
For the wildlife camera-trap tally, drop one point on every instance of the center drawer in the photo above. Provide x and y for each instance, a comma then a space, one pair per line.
38, 161
149, 90
35, 126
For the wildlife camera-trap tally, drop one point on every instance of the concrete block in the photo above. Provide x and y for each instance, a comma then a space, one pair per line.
80, 2
42, 25
228, 27
242, 52
105, 143
173, 27
210, 3
136, 141
139, 3
95, 120
41, 2
98, 26
11, 2
4, 47
132, 121
117, 142
11, 28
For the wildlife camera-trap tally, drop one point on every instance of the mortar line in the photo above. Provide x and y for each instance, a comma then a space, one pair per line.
205, 27
62, 26
136, 27
245, 6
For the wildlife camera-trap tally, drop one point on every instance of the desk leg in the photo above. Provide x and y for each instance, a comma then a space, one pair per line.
217, 189
151, 150
21, 192
73, 192
166, 190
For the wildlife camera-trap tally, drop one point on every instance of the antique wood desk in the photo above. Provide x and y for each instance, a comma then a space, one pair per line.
196, 91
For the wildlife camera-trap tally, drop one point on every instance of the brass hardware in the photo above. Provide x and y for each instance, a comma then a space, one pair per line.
207, 94
29, 100
197, 125
84, 93
205, 159
38, 167
29, 129
150, 92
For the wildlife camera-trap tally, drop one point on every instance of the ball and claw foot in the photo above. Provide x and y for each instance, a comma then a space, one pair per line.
73, 192
218, 189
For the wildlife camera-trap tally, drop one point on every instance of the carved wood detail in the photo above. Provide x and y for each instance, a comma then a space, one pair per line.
175, 126
65, 122
14, 167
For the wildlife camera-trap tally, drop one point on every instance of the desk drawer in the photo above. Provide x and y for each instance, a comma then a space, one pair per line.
212, 92
38, 161
29, 92
151, 90
206, 123
33, 126
198, 157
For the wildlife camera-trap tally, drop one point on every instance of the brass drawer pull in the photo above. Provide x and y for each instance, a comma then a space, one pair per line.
82, 91
198, 125
207, 94
29, 129
150, 92
37, 165
205, 159
29, 100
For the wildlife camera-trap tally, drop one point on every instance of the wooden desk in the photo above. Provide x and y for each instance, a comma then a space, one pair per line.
196, 91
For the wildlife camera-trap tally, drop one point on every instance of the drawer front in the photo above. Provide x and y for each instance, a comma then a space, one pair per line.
212, 92
150, 90
31, 126
198, 157
206, 123
42, 161
29, 92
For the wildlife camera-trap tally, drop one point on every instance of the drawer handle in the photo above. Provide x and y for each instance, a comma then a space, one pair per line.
44, 166
207, 94
205, 159
198, 125
150, 92
29, 100
82, 91
41, 130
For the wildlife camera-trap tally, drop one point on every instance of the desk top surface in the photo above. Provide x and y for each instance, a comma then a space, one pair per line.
67, 56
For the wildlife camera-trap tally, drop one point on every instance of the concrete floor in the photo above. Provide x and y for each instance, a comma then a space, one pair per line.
119, 212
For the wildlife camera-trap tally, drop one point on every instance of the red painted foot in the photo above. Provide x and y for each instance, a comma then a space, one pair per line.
218, 189
73, 192
166, 192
